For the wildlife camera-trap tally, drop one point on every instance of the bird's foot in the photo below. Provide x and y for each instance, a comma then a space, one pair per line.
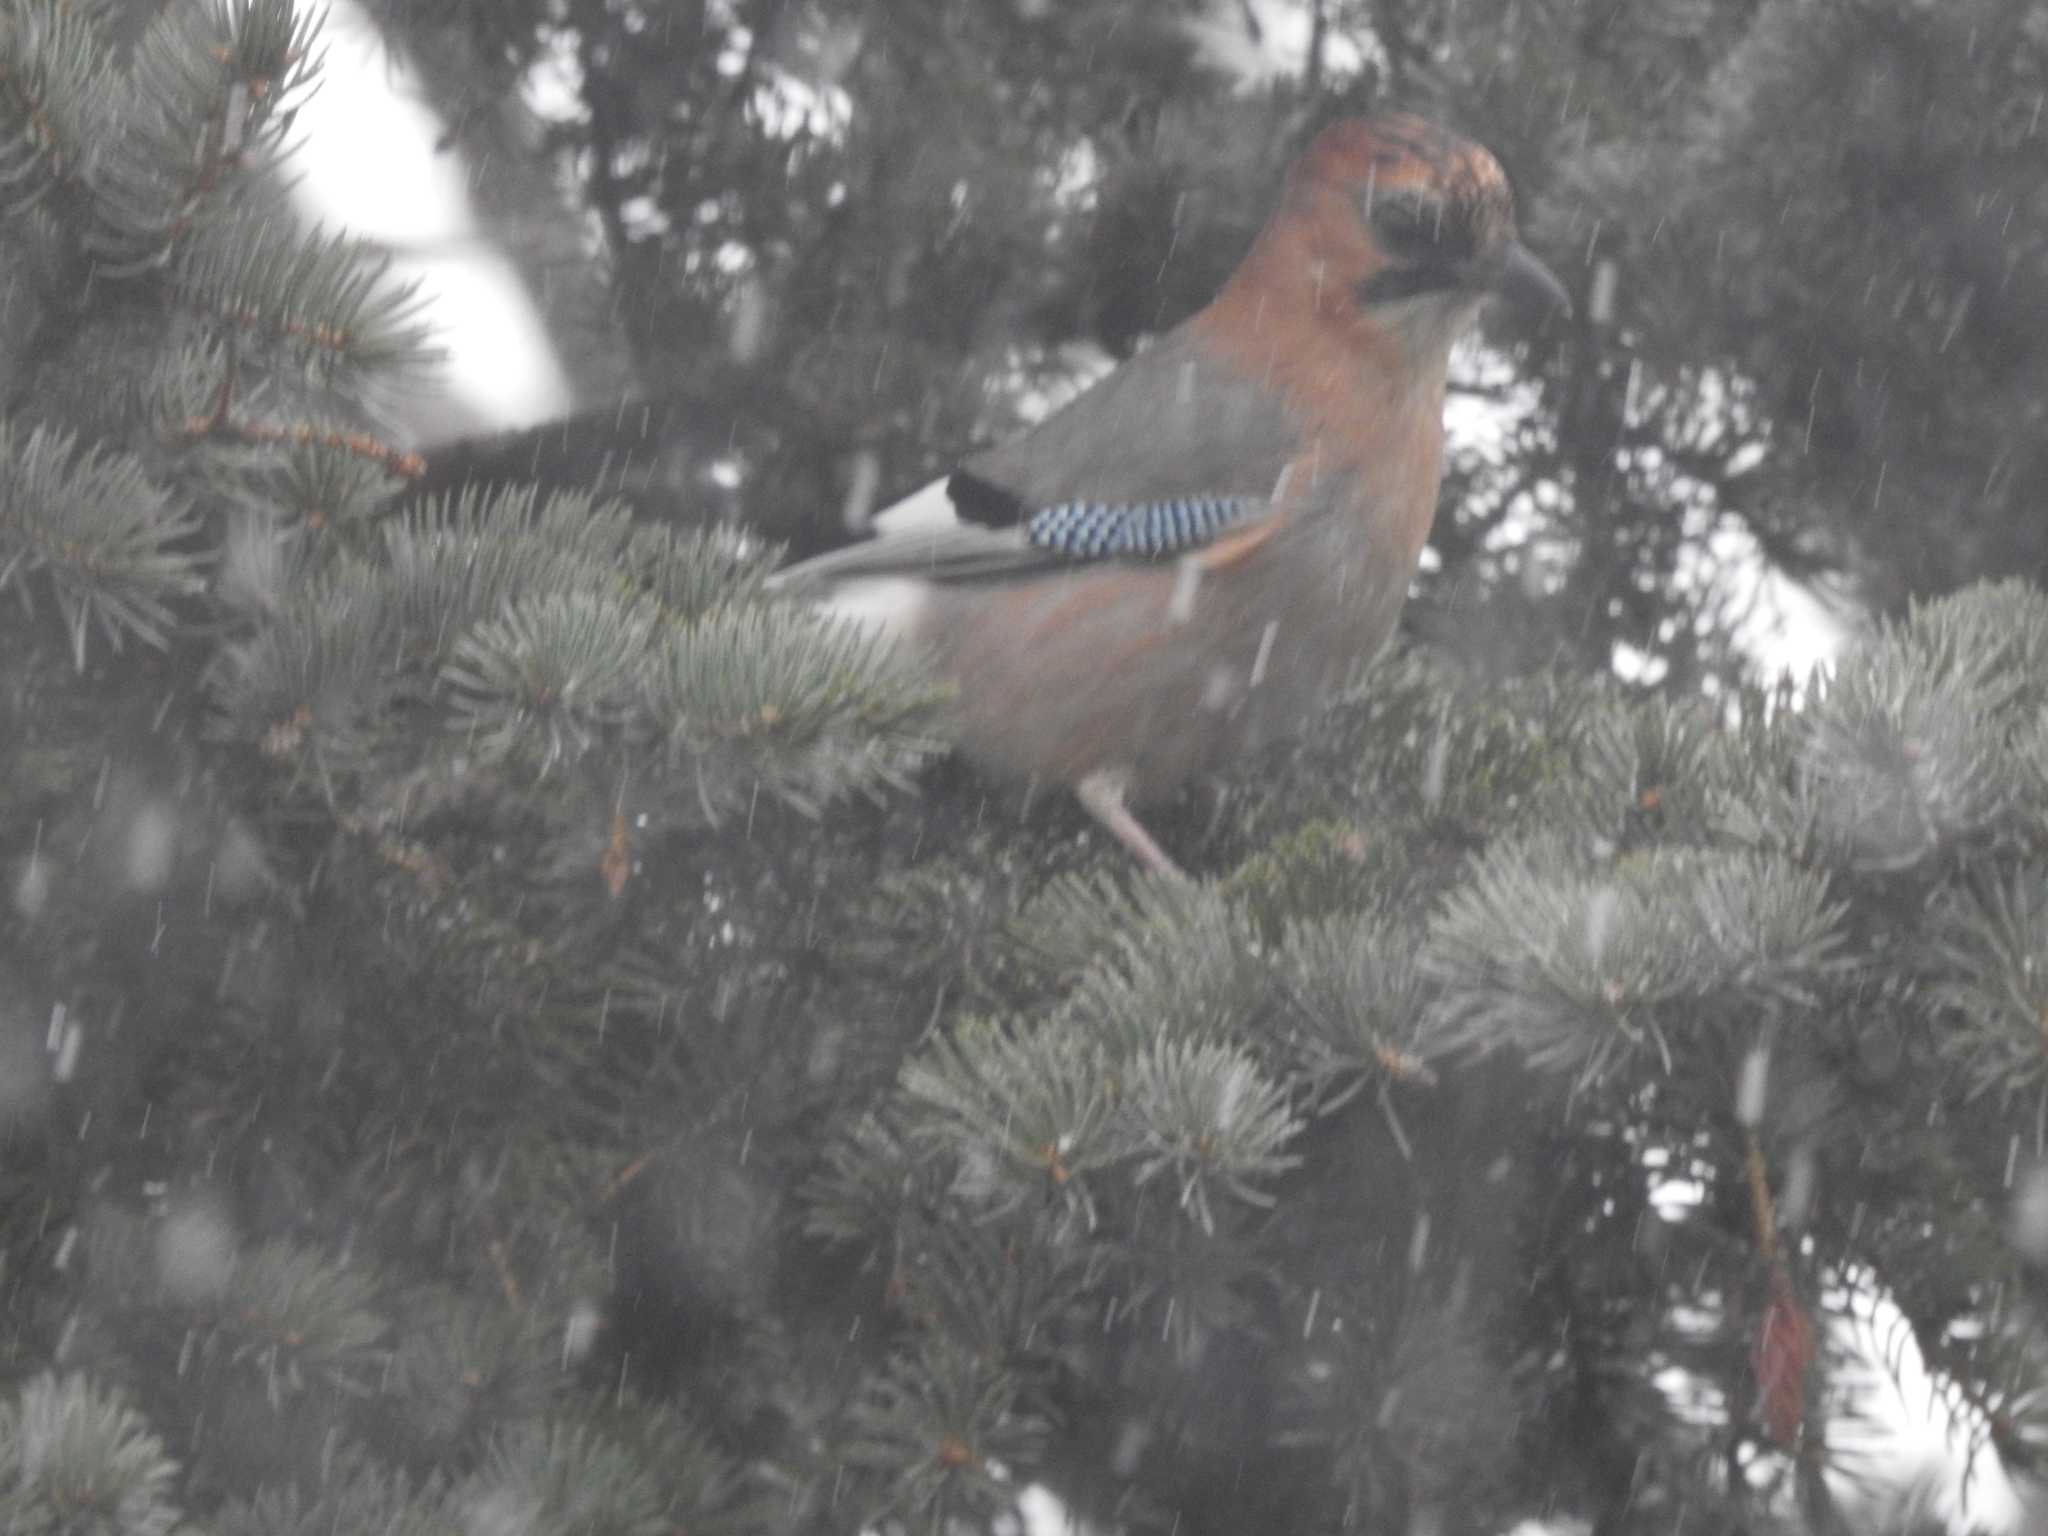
1102, 795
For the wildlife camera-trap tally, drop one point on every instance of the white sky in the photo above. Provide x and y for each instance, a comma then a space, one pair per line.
366, 155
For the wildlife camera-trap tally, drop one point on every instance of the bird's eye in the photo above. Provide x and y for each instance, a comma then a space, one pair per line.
1427, 246
1408, 226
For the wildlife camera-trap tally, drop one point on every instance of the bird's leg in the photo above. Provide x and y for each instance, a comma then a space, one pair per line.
1102, 795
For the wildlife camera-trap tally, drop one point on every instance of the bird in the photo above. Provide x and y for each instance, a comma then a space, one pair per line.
1189, 557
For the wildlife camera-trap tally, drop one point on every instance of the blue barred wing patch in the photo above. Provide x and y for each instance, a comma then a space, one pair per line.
1136, 530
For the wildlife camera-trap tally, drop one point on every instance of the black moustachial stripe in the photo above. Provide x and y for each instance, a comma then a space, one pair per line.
1097, 530
1390, 284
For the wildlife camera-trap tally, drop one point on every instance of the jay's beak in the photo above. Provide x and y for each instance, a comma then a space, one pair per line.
1527, 282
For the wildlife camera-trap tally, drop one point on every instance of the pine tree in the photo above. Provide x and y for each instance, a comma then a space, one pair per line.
487, 1042
253, 715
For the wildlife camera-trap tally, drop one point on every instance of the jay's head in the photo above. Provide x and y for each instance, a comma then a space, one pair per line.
1407, 227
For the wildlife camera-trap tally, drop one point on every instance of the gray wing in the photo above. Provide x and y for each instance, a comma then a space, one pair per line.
1159, 457
1172, 423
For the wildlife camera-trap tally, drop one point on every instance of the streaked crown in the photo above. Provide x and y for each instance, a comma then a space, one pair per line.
1422, 189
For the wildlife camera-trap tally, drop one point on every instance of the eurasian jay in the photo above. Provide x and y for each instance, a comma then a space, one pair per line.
1189, 556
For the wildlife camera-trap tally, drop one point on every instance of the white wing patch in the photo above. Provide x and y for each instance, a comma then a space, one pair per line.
922, 511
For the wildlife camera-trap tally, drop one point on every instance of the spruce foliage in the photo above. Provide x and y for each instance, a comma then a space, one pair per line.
503, 1026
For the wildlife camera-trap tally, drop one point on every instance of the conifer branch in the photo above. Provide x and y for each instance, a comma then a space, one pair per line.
116, 548
212, 89
56, 79
75, 1456
323, 304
